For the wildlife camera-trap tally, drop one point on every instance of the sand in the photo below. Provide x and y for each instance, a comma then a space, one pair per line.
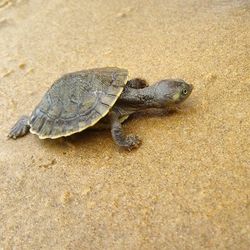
187, 186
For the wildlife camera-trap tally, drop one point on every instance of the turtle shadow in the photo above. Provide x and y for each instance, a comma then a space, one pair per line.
77, 141
89, 137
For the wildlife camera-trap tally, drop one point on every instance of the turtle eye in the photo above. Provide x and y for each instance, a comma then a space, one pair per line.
184, 91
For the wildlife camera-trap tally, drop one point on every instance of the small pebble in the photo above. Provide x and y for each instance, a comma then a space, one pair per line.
22, 66
66, 197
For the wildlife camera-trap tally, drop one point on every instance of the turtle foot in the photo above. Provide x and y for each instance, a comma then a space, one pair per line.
132, 142
137, 83
20, 129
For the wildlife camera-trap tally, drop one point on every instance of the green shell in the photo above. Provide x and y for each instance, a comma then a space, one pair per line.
77, 101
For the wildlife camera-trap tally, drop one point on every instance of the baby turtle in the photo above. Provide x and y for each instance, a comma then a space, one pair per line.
98, 97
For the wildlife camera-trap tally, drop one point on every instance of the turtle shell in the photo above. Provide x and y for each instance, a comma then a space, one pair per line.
77, 101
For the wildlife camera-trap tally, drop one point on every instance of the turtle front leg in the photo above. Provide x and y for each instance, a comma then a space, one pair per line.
21, 128
137, 83
128, 142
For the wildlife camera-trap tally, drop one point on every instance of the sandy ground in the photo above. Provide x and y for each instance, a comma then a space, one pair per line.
187, 186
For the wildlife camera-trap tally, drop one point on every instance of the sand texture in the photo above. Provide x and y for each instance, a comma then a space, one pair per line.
187, 186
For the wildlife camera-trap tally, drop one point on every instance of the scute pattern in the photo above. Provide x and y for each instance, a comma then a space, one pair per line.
77, 101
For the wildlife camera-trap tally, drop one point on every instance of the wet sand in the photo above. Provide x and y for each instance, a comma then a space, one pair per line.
187, 186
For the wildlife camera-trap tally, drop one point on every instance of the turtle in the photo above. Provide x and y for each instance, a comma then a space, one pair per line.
99, 97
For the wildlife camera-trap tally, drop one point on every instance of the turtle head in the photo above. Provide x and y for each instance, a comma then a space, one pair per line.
172, 91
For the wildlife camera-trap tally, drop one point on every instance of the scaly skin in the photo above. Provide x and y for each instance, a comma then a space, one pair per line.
161, 95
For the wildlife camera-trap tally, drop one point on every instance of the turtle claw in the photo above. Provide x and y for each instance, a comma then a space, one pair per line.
132, 142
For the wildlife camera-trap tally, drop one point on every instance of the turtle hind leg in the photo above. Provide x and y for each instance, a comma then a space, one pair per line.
137, 83
21, 128
128, 142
